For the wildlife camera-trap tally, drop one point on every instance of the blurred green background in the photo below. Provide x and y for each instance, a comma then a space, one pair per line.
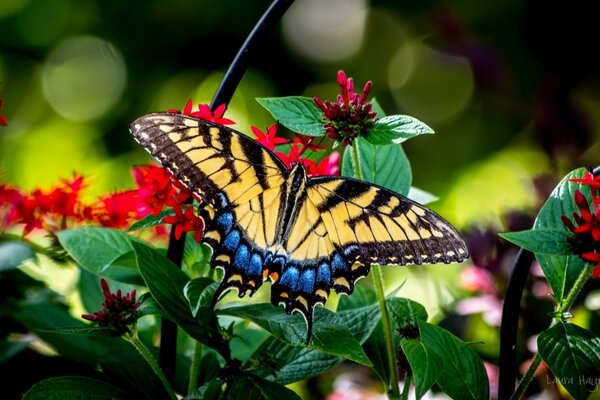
510, 89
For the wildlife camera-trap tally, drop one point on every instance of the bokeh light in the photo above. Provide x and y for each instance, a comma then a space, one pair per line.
83, 77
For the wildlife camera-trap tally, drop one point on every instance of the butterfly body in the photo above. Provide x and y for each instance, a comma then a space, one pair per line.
306, 234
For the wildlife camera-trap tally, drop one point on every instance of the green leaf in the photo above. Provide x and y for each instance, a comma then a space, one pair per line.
74, 388
13, 254
102, 251
196, 256
166, 283
561, 271
199, 293
10, 348
406, 311
421, 196
543, 241
376, 350
573, 355
359, 312
386, 165
462, 375
297, 113
253, 387
424, 364
329, 335
396, 129
377, 108
82, 331
42, 318
287, 364
151, 220
131, 372
211, 390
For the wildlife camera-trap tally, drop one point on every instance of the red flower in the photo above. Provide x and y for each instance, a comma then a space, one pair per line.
586, 242
351, 115
185, 221
205, 113
268, 139
118, 311
588, 179
118, 209
328, 165
3, 119
306, 143
155, 186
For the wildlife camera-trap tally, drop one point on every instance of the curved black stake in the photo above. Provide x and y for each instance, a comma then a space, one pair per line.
510, 324
233, 77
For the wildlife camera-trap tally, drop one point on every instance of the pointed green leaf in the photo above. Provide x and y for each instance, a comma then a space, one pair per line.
396, 129
462, 375
151, 220
199, 293
561, 271
297, 113
211, 390
285, 363
376, 350
166, 283
406, 311
329, 335
386, 165
573, 355
102, 251
253, 387
74, 388
540, 241
425, 365
421, 196
13, 254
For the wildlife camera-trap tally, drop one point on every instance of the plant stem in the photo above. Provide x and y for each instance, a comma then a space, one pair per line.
406, 388
195, 369
560, 310
137, 343
393, 389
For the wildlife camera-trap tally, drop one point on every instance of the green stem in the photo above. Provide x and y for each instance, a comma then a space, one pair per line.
406, 387
563, 307
139, 346
393, 389
195, 369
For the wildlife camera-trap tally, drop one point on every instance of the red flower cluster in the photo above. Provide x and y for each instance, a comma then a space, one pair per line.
586, 242
327, 166
351, 115
205, 113
61, 206
118, 311
3, 119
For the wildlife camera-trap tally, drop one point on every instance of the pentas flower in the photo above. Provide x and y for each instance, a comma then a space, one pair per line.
117, 210
118, 312
586, 242
351, 115
269, 138
205, 113
3, 119
185, 221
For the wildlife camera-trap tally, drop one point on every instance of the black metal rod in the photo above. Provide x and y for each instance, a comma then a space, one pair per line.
510, 324
224, 93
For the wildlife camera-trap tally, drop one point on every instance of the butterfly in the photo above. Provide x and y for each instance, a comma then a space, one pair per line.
307, 235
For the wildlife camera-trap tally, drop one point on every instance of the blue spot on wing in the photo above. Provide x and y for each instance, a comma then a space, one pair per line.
338, 263
290, 278
232, 241
242, 258
256, 265
225, 221
307, 281
324, 275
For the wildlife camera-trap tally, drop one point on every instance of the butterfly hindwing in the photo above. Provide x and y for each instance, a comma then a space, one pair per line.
307, 235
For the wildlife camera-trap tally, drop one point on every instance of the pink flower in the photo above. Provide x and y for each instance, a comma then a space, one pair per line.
205, 113
3, 119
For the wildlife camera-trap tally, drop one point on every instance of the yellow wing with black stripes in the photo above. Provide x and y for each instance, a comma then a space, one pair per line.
307, 235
